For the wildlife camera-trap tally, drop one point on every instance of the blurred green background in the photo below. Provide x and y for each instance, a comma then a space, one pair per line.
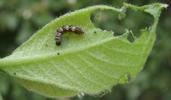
19, 19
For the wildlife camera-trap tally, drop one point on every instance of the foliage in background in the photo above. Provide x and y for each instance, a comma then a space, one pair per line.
20, 18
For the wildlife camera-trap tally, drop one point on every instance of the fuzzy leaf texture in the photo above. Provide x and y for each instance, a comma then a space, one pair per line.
88, 63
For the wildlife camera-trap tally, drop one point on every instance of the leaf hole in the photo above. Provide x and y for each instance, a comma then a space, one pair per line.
131, 37
134, 21
107, 20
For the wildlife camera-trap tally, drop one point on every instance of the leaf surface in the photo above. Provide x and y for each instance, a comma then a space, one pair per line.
90, 63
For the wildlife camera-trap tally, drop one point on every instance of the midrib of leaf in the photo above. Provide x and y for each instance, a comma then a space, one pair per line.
11, 61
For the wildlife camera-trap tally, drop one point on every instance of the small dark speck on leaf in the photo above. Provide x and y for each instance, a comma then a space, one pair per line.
14, 73
58, 53
95, 32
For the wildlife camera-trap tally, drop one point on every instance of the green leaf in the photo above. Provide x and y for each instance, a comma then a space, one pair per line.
1, 97
90, 63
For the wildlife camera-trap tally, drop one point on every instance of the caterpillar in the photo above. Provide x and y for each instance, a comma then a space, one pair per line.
66, 28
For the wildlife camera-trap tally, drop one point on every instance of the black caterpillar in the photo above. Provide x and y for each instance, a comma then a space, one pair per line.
66, 28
